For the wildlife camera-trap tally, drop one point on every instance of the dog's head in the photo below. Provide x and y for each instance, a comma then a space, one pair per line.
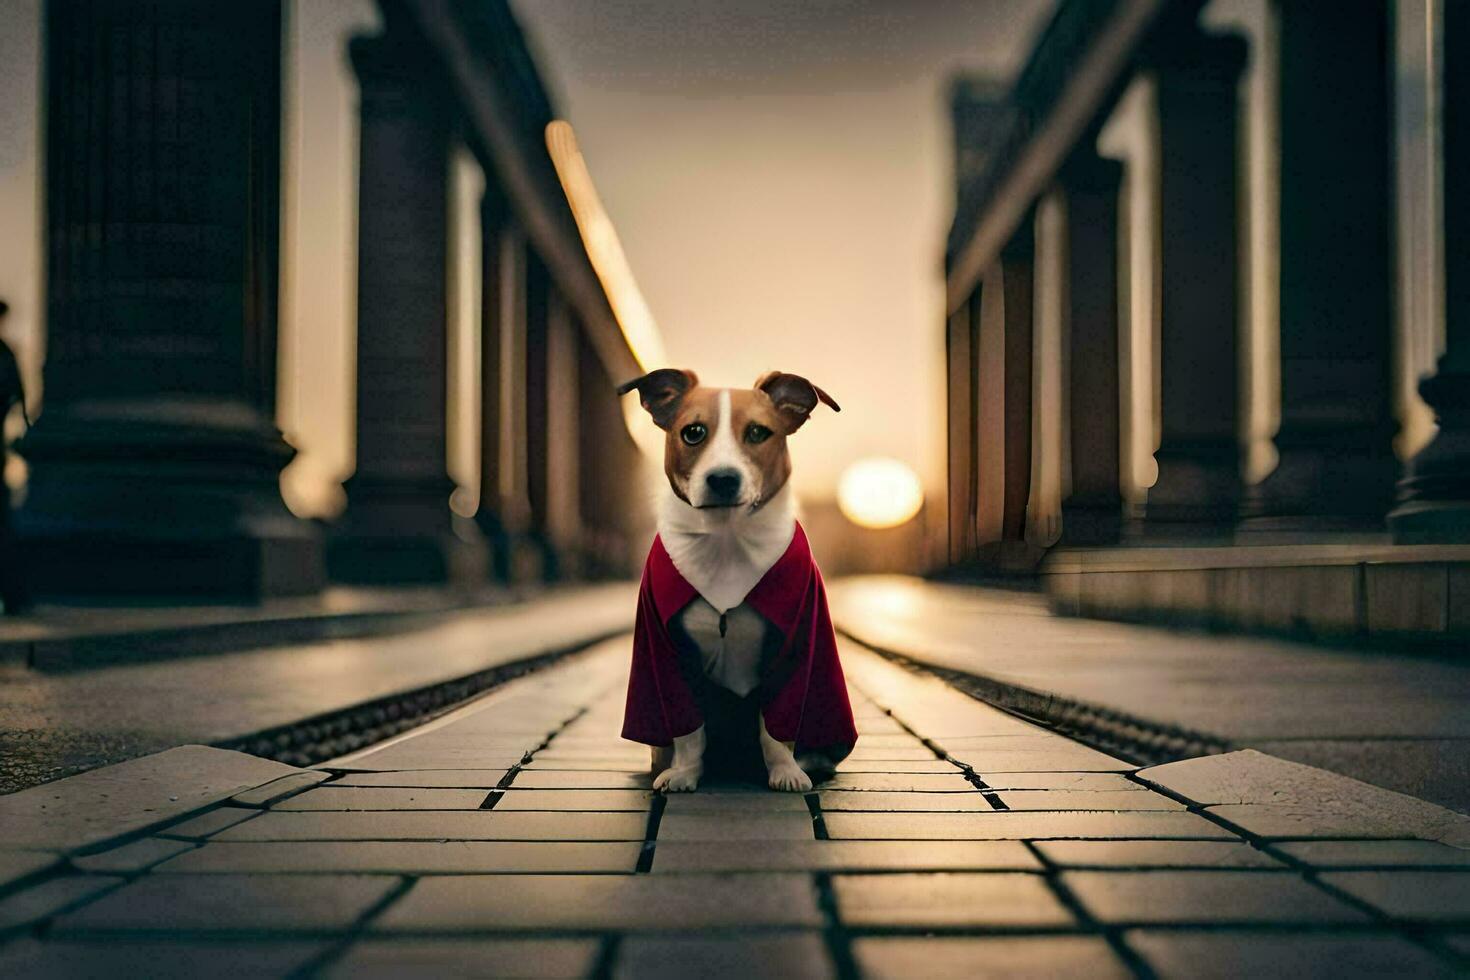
726, 447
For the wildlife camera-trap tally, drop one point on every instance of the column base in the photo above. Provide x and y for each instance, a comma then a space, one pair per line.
1321, 490
403, 533
1091, 522
1434, 495
166, 497
1196, 496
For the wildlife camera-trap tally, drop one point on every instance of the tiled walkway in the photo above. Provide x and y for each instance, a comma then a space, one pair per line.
517, 837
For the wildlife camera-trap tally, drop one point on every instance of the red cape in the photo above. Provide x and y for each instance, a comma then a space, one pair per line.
810, 708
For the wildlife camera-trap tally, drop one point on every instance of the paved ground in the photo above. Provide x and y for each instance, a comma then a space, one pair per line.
517, 837
1394, 720
55, 724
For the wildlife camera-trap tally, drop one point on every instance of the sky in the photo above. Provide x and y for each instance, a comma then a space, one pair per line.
780, 176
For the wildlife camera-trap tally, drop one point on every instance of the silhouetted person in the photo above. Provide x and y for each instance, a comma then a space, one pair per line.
12, 393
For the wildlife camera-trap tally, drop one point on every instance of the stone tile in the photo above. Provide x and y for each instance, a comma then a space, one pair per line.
736, 957
1017, 825
1109, 782
1428, 896
441, 825
401, 757
1294, 800
1434, 769
745, 827
19, 865
486, 779
613, 800
409, 857
1032, 739
1235, 954
1377, 854
891, 740
554, 754
94, 807
470, 958
953, 781
875, 765
279, 789
208, 824
740, 802
846, 855
46, 899
1069, 757
967, 957
1081, 799
594, 765
137, 856
232, 903
886, 753
1297, 821
953, 899
627, 902
386, 798
1205, 898
157, 960
972, 802
1155, 854
581, 779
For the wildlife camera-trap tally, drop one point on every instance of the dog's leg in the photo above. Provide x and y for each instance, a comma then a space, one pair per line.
781, 765
687, 766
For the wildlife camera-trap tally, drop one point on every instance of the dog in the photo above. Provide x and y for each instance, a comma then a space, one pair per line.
732, 604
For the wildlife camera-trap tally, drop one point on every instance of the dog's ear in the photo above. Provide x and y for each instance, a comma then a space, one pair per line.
661, 392
794, 397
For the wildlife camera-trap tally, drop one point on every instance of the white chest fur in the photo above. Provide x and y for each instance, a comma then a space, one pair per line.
724, 553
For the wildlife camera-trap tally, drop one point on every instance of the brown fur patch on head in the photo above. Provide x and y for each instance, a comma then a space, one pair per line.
794, 397
661, 391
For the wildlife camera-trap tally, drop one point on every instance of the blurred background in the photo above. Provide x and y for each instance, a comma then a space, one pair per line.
1127, 300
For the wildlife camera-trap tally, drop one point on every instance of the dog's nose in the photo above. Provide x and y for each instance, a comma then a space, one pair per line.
724, 483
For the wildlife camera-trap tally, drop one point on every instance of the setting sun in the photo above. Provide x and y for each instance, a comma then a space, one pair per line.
879, 492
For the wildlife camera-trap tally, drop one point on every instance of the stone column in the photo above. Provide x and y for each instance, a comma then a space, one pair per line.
1336, 468
398, 526
562, 463
536, 554
961, 360
1016, 285
612, 490
498, 296
155, 466
1198, 487
1434, 495
1093, 509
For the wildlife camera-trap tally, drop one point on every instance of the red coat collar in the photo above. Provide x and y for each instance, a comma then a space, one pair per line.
778, 596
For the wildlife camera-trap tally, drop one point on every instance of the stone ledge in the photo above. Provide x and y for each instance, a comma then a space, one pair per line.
84, 811
1336, 591
1276, 799
57, 638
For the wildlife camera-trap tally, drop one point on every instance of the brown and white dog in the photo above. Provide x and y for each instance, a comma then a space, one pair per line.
725, 518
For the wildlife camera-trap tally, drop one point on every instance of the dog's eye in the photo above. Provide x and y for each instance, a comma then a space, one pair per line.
755, 434
693, 434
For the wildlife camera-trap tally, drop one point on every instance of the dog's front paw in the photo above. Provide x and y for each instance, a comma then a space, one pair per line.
684, 780
788, 778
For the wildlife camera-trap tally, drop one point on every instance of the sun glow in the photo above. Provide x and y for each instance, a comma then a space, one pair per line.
879, 492
605, 252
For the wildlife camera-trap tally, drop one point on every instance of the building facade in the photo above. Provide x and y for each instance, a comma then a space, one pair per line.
327, 227
1207, 330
